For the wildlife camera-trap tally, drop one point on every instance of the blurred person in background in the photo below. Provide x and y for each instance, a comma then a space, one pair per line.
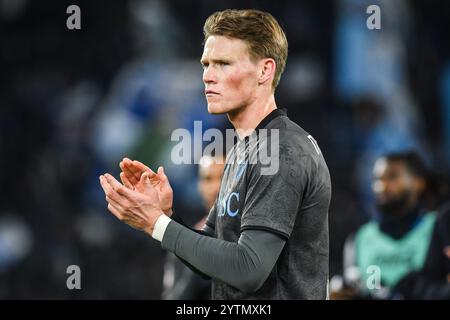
433, 281
395, 243
180, 282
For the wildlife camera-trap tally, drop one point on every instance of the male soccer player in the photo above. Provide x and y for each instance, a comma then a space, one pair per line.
266, 237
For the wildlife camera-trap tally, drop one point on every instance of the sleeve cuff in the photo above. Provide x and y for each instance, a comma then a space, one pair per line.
160, 227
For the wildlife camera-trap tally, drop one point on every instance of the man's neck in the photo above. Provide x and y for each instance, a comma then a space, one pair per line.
246, 119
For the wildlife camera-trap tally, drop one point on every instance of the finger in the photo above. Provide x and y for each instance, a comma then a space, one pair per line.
116, 204
164, 179
139, 168
109, 191
162, 175
105, 186
133, 170
145, 180
115, 211
128, 170
126, 182
130, 176
118, 187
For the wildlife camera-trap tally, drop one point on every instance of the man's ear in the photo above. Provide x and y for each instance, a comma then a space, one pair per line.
267, 70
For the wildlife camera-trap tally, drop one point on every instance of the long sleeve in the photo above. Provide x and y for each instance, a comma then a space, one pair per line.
244, 265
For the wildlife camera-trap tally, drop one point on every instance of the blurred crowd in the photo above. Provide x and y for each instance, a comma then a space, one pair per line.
73, 103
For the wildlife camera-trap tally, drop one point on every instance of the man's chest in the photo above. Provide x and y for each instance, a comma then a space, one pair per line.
231, 202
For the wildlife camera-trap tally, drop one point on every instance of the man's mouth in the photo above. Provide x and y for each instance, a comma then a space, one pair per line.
210, 92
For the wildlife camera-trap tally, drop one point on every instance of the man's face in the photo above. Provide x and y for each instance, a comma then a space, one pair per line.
395, 188
229, 74
210, 175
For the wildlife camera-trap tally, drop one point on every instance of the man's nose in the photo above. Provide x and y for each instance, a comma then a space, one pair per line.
208, 75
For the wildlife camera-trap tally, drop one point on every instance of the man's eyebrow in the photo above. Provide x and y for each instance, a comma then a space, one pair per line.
203, 61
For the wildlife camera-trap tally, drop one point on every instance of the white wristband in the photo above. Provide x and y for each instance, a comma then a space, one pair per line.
160, 227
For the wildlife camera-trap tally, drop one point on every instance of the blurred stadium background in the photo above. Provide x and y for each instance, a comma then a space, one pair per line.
73, 103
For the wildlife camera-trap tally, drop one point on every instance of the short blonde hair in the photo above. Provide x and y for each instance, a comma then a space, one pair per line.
263, 34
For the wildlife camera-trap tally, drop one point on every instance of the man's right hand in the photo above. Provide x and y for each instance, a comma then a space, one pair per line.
131, 178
